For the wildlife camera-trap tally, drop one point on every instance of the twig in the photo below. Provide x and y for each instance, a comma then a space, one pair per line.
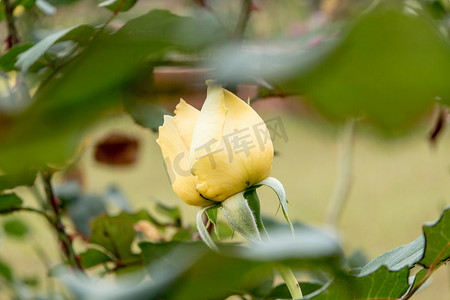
430, 271
243, 19
344, 175
13, 35
66, 242
29, 209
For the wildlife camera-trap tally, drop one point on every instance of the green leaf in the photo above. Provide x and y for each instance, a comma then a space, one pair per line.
10, 181
173, 213
212, 214
263, 289
282, 292
182, 235
152, 252
84, 209
118, 5
339, 288
6, 271
398, 258
388, 68
216, 275
116, 234
185, 271
164, 29
437, 240
93, 257
30, 56
9, 59
45, 7
383, 284
145, 112
9, 201
16, 228
419, 276
357, 259
25, 3
87, 87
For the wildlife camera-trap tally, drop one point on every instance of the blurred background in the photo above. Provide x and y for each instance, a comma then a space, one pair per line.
398, 176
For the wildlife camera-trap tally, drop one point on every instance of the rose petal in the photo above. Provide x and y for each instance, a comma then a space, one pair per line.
175, 155
242, 158
186, 117
208, 130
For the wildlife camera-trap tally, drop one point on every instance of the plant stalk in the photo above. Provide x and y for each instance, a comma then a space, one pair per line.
344, 175
290, 280
66, 242
13, 35
243, 19
285, 272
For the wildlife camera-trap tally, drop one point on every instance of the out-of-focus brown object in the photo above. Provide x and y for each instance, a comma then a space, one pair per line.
333, 9
117, 149
149, 230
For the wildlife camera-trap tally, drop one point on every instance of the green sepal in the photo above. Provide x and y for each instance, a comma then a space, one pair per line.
278, 188
241, 217
204, 234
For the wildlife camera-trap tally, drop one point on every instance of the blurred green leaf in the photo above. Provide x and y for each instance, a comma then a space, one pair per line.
10, 181
81, 207
152, 252
93, 257
62, 2
9, 59
116, 234
216, 276
165, 30
388, 68
16, 228
31, 281
173, 213
437, 240
261, 290
357, 259
25, 3
398, 258
339, 288
5, 271
45, 7
282, 292
88, 86
9, 201
118, 5
84, 209
383, 284
182, 235
27, 58
145, 112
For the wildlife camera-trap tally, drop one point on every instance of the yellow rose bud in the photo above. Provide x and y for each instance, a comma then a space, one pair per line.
217, 152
